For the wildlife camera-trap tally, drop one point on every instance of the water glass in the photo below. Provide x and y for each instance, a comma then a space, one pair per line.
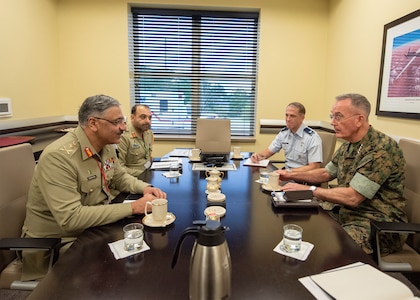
292, 237
264, 175
133, 236
173, 169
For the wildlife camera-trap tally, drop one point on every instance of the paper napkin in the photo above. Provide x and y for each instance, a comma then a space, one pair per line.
302, 254
119, 252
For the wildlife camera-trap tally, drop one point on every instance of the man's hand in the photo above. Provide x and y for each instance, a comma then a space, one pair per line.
255, 157
158, 193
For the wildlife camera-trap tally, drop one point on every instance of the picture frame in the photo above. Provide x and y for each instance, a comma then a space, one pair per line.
399, 78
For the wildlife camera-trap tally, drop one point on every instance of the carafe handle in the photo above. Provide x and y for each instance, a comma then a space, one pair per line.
187, 231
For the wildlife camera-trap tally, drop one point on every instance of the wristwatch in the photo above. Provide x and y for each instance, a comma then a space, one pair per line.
312, 188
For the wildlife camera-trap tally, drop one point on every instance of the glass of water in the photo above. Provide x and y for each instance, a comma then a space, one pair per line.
133, 236
292, 237
264, 175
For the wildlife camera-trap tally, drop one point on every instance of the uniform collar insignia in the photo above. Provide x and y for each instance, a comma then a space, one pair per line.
88, 152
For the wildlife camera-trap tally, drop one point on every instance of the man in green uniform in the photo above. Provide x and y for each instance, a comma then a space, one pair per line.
135, 149
369, 168
70, 187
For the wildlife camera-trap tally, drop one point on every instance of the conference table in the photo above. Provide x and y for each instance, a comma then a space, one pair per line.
89, 270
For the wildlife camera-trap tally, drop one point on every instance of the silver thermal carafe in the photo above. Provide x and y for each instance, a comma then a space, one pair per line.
210, 264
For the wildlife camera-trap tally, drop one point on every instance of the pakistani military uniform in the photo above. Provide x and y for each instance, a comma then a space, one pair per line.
135, 152
374, 167
70, 191
300, 148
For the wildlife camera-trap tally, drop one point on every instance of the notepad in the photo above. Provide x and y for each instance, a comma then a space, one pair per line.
356, 281
260, 163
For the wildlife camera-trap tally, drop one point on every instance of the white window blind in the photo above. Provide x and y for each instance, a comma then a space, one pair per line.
189, 64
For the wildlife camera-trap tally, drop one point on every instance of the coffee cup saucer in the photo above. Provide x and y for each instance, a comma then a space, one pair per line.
192, 158
269, 188
148, 220
218, 210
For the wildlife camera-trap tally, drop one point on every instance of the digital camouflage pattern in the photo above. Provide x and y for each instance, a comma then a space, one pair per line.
374, 167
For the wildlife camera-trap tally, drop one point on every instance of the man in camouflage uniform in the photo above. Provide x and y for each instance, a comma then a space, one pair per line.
70, 187
369, 168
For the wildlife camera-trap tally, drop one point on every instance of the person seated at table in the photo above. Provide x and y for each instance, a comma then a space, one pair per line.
302, 145
135, 148
369, 168
70, 187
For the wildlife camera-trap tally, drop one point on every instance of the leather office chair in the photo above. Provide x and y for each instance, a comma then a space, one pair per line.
17, 164
328, 147
408, 259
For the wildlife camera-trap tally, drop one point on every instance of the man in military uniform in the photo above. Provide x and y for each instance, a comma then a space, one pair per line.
302, 145
135, 149
70, 187
369, 168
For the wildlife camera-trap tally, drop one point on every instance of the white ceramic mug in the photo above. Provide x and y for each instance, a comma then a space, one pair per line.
236, 151
273, 179
159, 209
195, 153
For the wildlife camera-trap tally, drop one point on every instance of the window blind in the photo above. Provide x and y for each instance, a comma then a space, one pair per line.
189, 64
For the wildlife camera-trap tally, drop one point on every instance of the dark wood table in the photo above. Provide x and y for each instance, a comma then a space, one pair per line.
88, 270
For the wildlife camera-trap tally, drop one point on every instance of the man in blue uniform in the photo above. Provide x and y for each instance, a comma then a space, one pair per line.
302, 145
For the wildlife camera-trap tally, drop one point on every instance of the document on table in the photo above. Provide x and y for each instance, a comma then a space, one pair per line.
356, 281
180, 152
165, 163
260, 163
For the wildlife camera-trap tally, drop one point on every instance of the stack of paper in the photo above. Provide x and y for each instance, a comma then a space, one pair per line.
165, 163
356, 281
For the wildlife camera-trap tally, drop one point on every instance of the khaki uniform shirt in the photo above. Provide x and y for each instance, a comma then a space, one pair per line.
69, 190
135, 151
374, 167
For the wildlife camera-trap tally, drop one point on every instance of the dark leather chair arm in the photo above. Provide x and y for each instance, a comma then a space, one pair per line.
396, 227
52, 244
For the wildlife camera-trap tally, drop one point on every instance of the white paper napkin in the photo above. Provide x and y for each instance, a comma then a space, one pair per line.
302, 254
119, 252
169, 175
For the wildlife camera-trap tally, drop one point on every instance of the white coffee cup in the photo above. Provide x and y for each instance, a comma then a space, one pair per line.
159, 209
236, 151
195, 153
273, 179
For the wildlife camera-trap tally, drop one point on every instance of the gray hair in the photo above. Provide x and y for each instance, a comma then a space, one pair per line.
95, 106
358, 101
299, 106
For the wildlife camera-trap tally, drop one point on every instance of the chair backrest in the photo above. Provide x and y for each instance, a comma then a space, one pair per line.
17, 167
411, 150
213, 136
328, 146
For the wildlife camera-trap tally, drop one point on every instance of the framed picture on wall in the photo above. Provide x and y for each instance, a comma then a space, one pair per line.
399, 78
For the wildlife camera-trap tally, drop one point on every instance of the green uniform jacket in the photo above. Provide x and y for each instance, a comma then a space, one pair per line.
69, 190
135, 151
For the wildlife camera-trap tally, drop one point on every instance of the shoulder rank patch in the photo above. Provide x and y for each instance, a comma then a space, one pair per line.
309, 131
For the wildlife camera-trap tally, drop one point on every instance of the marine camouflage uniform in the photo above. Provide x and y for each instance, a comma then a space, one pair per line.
374, 167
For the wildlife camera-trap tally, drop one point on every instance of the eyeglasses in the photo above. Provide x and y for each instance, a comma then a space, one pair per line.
340, 118
116, 122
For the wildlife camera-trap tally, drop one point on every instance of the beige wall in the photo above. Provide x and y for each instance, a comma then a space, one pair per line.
310, 51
